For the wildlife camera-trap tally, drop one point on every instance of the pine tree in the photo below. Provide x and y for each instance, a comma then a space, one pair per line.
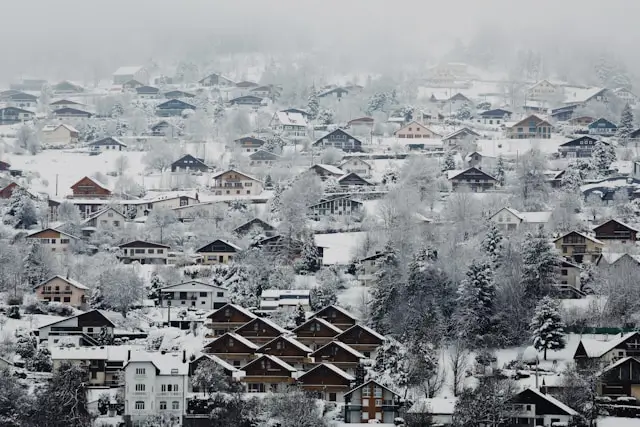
268, 182
547, 327
571, 179
476, 297
37, 266
603, 155
313, 105
626, 123
540, 265
499, 174
385, 290
301, 315
492, 243
464, 113
588, 277
449, 162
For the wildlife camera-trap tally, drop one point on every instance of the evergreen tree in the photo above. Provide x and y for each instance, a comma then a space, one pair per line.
464, 112
322, 296
588, 278
449, 162
385, 290
626, 123
37, 265
376, 103
301, 315
476, 297
499, 174
268, 182
313, 105
156, 284
603, 155
547, 327
41, 361
571, 179
492, 243
22, 211
540, 265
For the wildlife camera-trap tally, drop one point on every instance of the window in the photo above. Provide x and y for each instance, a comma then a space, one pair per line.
203, 294
139, 405
220, 294
151, 251
377, 392
332, 397
140, 387
67, 299
378, 402
139, 251
564, 272
53, 241
56, 299
163, 405
140, 371
160, 251
175, 405
366, 391
528, 407
116, 223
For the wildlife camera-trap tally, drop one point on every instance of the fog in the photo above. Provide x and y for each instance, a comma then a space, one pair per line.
79, 39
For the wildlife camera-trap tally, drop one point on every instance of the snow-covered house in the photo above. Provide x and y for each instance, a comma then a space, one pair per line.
604, 353
328, 381
316, 332
363, 339
615, 230
260, 330
59, 134
22, 100
510, 219
284, 299
581, 147
289, 124
52, 240
104, 363
107, 218
268, 373
249, 143
626, 96
71, 113
107, 144
232, 348
337, 316
143, 252
11, 115
472, 178
263, 158
544, 91
155, 383
341, 140
289, 349
64, 290
371, 401
189, 163
255, 226
227, 318
148, 92
415, 130
218, 252
194, 294
532, 127
356, 165
532, 407
602, 127
232, 182
326, 171
127, 73
66, 103
440, 409
579, 246
336, 206
85, 329
215, 79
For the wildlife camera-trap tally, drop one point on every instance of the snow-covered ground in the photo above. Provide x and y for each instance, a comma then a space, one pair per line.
339, 248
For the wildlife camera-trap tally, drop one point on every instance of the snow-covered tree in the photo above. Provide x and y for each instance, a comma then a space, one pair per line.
313, 105
377, 102
547, 327
476, 299
464, 112
294, 408
589, 276
209, 377
27, 138
449, 163
571, 179
41, 361
121, 288
626, 125
161, 218
486, 405
391, 365
301, 315
15, 403
499, 173
603, 155
22, 212
326, 116
492, 242
533, 186
540, 266
38, 265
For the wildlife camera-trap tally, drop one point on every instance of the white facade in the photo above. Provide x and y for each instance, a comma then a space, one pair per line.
290, 299
155, 384
62, 134
543, 90
233, 183
194, 294
54, 241
357, 166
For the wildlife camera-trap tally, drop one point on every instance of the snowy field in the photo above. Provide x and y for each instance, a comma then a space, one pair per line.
339, 248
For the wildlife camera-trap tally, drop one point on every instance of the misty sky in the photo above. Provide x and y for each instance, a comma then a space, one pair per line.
74, 38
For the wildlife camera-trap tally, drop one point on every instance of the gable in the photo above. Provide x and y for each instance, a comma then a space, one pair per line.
323, 375
217, 246
543, 406
602, 123
614, 226
353, 178
189, 160
227, 175
338, 135
258, 327
532, 121
263, 155
143, 244
359, 335
335, 352
175, 104
228, 343
49, 233
267, 366
584, 141
229, 313
473, 173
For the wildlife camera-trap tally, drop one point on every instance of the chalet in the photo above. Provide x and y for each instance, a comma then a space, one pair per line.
91, 328
52, 240
338, 206
246, 84
532, 407
305, 113
635, 135
196, 294
173, 107
327, 382
602, 127
66, 87
263, 158
564, 113
543, 90
316, 332
326, 171
626, 96
455, 102
66, 103
61, 134
164, 128
106, 144
371, 401
592, 97
473, 178
255, 226
615, 230
232, 348
128, 73
142, 207
247, 100
580, 147
268, 373
364, 123
228, 318
262, 91
289, 124
147, 92
11, 115
621, 378
581, 121
177, 94
232, 182
287, 348
89, 187
284, 300
143, 252
464, 134
336, 93
215, 79
63, 290
260, 330
356, 165
7, 191
509, 219
341, 140
474, 159
415, 130
368, 267
67, 112
132, 85
570, 274
532, 127
105, 219
337, 316
496, 116
188, 163
218, 252
352, 179
591, 352
249, 143
22, 100
339, 354
579, 246
362, 339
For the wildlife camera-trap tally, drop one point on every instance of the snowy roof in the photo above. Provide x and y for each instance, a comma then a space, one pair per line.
619, 222
336, 307
595, 348
345, 347
192, 285
225, 365
269, 322
279, 293
235, 307
291, 340
291, 119
366, 328
107, 352
52, 229
369, 382
51, 128
103, 211
167, 364
321, 321
463, 130
107, 141
435, 406
96, 182
274, 359
536, 217
217, 175
329, 168
128, 70
66, 279
586, 236
332, 367
240, 339
553, 401
577, 95
226, 242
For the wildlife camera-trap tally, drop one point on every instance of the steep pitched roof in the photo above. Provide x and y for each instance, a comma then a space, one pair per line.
142, 243
552, 400
107, 141
216, 175
72, 282
537, 120
456, 173
364, 328
618, 222
595, 349
224, 242
331, 367
236, 337
586, 236
235, 307
273, 359
291, 340
343, 346
336, 307
322, 322
367, 383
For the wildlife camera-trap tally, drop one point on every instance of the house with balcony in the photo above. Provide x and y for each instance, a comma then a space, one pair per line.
228, 318
172, 108
531, 407
532, 127
90, 188
615, 231
268, 373
579, 246
105, 219
316, 332
232, 348
234, 183
621, 378
356, 165
218, 252
371, 401
337, 316
327, 382
339, 354
107, 144
11, 115
143, 252
249, 144
289, 349
579, 147
472, 178
595, 352
415, 130
260, 330
602, 127
91, 328
52, 240
64, 290
341, 140
284, 299
194, 294
496, 116
155, 384
363, 339
289, 124
336, 206
509, 219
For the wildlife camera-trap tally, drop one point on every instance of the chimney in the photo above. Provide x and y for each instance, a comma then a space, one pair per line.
184, 356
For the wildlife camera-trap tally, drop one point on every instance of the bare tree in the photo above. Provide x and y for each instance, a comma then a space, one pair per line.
459, 358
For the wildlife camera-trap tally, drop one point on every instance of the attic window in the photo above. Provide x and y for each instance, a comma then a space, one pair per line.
174, 371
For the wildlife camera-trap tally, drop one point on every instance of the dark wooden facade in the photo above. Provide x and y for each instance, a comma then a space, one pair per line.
615, 230
250, 143
353, 179
362, 339
228, 318
316, 332
189, 163
341, 140
579, 147
336, 316
338, 354
259, 331
267, 373
621, 379
173, 107
232, 348
89, 188
475, 179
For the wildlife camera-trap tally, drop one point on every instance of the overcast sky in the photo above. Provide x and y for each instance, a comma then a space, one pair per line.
53, 38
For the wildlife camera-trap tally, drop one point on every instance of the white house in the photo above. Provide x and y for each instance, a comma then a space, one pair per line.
155, 384
543, 90
289, 124
128, 73
626, 96
61, 134
52, 240
107, 218
510, 219
232, 182
356, 165
195, 294
107, 144
143, 252
287, 299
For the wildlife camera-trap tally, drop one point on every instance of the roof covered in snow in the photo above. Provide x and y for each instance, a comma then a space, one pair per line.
434, 406
128, 70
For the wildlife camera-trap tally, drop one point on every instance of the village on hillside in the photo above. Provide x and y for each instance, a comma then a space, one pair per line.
259, 245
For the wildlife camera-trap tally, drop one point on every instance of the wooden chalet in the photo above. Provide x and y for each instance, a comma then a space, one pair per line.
263, 158
337, 316
267, 373
316, 332
230, 371
340, 354
85, 329
341, 140
621, 378
614, 230
327, 382
473, 178
371, 401
602, 127
289, 349
218, 252
248, 100
173, 107
531, 407
362, 339
256, 226
249, 143
228, 318
260, 330
188, 163
232, 348
352, 179
88, 187
335, 206
591, 352
71, 112
579, 147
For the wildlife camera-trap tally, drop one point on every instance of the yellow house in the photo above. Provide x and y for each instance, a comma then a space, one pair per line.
64, 290
579, 247
415, 130
218, 252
